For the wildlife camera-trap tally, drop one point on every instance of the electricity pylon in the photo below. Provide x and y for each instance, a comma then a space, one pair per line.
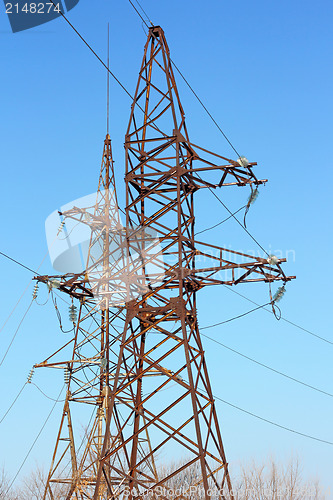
142, 365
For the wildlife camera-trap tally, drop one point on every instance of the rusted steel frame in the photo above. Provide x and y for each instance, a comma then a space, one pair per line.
167, 179
132, 207
241, 180
171, 436
143, 64
217, 427
212, 475
59, 461
223, 168
232, 162
138, 410
147, 62
150, 123
164, 96
159, 424
149, 158
44, 363
51, 471
161, 161
251, 267
154, 364
205, 281
109, 416
88, 447
264, 261
120, 432
150, 326
170, 476
109, 487
186, 347
234, 168
125, 476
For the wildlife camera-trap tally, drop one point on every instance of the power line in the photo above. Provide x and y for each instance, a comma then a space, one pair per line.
143, 10
235, 317
95, 53
16, 332
138, 13
19, 263
204, 107
284, 319
34, 442
241, 225
268, 367
274, 423
48, 397
11, 406
219, 223
17, 303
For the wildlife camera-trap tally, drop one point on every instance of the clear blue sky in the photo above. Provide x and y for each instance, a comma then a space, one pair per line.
264, 69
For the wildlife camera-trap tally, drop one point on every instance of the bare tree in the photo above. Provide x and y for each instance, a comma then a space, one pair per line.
268, 480
272, 481
4, 483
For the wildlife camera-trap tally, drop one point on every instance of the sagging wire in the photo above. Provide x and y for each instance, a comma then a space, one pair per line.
221, 222
54, 300
48, 397
70, 232
29, 381
35, 295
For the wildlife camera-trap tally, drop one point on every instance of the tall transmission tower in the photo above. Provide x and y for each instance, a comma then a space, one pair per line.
136, 357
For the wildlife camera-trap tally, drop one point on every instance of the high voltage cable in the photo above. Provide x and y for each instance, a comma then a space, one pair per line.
219, 223
241, 225
11, 406
268, 367
273, 423
48, 397
284, 319
309, 436
95, 53
17, 303
34, 442
19, 394
19, 263
235, 317
138, 13
16, 332
145, 13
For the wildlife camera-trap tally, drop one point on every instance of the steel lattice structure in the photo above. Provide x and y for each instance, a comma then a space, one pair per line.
136, 356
